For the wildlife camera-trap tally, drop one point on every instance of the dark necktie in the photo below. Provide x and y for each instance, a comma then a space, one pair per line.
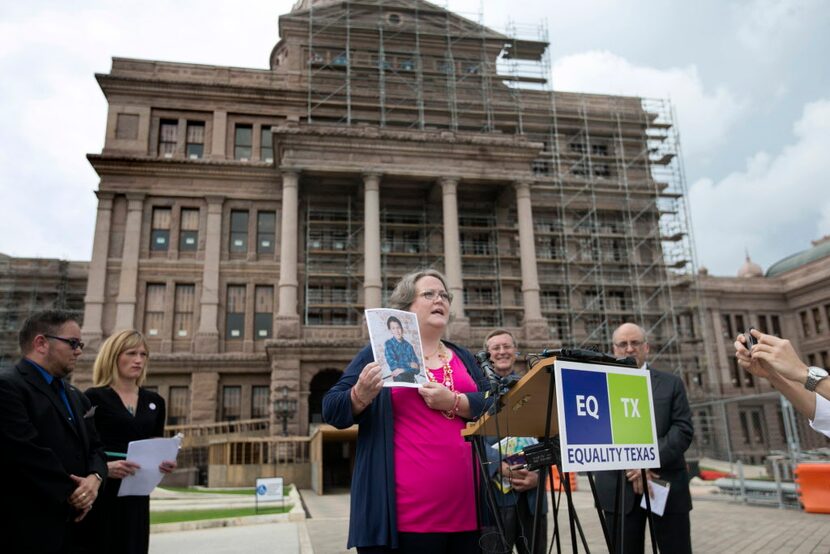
57, 386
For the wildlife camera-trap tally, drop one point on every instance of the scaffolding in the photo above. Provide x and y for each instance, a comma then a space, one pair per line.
28, 285
612, 232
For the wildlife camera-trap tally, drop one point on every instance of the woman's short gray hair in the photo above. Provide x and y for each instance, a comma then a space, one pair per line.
404, 293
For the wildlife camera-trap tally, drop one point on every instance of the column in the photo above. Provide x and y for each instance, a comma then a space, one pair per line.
534, 325
207, 336
204, 394
372, 286
459, 325
125, 311
93, 332
220, 132
288, 318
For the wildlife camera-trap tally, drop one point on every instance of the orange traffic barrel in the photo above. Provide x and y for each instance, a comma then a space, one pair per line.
557, 481
813, 480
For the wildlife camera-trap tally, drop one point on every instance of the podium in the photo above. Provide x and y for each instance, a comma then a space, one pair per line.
525, 409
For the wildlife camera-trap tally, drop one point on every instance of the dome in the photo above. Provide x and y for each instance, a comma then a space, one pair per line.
820, 249
750, 269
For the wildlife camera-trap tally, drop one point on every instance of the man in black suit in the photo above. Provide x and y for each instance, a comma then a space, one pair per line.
51, 458
673, 420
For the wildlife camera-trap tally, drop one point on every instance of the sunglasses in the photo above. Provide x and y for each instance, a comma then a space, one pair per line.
73, 343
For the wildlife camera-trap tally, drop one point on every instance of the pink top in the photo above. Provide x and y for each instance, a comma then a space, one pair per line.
433, 463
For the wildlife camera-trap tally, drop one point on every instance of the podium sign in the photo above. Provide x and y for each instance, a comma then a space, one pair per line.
606, 417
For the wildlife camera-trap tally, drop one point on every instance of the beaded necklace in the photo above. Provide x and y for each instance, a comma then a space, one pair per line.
447, 379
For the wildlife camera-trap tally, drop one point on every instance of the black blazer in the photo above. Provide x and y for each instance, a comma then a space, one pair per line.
40, 449
673, 420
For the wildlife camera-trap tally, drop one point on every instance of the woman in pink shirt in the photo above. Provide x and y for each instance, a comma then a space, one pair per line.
413, 488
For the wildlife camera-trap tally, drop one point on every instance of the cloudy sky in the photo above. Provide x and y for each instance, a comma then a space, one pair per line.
749, 80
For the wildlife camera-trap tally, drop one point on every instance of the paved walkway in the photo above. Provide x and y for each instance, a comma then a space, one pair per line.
719, 525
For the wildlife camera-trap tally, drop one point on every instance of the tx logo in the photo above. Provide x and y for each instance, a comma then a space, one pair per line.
630, 404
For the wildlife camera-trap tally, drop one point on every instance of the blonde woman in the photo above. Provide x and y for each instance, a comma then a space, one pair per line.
124, 412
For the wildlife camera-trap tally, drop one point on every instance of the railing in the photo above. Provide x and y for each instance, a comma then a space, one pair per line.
199, 434
259, 451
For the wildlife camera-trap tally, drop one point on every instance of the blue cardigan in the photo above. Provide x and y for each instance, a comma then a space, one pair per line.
373, 520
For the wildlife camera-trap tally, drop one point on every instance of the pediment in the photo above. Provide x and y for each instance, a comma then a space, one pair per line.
393, 16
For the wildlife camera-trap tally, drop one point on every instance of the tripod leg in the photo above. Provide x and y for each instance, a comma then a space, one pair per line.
649, 514
566, 479
555, 507
488, 489
602, 521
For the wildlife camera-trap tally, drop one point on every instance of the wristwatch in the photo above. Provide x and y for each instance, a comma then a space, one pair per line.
814, 375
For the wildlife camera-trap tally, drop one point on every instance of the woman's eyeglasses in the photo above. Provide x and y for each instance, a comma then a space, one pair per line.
430, 295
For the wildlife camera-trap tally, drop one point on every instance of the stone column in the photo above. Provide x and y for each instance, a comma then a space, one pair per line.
459, 325
207, 336
96, 286
220, 131
534, 325
288, 318
204, 392
125, 311
372, 286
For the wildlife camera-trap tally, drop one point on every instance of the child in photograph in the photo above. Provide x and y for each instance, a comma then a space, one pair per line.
399, 353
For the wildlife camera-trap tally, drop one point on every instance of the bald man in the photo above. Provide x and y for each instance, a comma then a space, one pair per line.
673, 420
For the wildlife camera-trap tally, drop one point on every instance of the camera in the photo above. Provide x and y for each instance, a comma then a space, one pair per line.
750, 340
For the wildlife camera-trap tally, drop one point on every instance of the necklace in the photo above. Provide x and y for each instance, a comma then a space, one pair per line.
447, 379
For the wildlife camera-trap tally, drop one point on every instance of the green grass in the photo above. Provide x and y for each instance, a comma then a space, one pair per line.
202, 490
218, 513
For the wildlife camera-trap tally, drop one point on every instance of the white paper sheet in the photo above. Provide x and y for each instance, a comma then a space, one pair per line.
148, 454
660, 489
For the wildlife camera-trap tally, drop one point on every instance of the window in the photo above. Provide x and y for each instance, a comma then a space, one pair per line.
189, 231
551, 300
758, 434
231, 403
735, 371
260, 397
726, 321
160, 233
805, 324
263, 311
776, 325
266, 223
266, 149
239, 231
183, 311
195, 147
243, 142
762, 324
168, 132
739, 324
817, 321
235, 319
154, 309
178, 405
744, 427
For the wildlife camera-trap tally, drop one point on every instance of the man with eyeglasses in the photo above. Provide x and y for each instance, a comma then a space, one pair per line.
673, 420
517, 503
51, 456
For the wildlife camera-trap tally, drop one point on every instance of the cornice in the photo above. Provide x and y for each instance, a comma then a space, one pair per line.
124, 164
